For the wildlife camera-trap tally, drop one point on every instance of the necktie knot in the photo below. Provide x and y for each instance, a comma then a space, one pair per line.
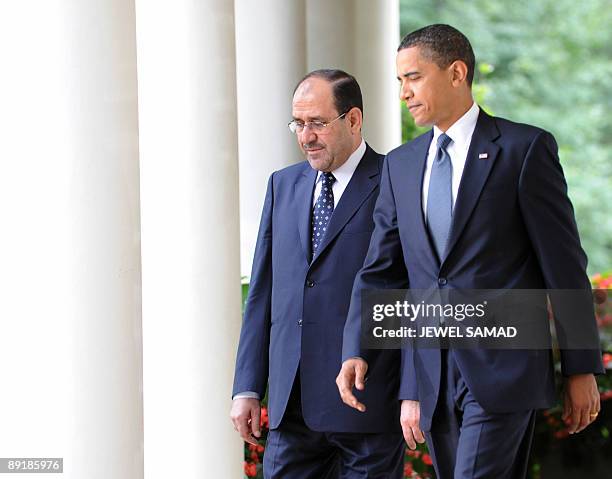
328, 179
443, 141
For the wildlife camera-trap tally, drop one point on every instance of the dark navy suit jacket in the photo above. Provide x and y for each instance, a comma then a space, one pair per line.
513, 228
296, 308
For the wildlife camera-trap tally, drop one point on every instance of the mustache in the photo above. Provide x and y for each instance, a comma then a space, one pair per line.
311, 146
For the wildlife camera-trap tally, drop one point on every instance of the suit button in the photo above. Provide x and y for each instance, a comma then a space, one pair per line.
310, 283
442, 281
299, 322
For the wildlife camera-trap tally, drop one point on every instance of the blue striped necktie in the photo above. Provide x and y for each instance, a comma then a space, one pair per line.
440, 197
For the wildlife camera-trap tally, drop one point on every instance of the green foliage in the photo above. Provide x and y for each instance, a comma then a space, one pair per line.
244, 287
546, 63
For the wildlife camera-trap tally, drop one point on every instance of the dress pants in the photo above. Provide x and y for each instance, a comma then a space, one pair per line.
465, 441
293, 451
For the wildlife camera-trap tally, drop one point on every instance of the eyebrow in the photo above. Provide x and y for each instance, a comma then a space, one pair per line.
407, 74
312, 118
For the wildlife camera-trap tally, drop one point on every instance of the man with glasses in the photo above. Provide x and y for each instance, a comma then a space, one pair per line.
313, 237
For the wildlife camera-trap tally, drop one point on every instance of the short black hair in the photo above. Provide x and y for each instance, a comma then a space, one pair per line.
345, 88
443, 45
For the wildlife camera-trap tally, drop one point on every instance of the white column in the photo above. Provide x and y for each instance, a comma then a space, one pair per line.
377, 35
330, 34
271, 59
190, 236
361, 37
107, 428
70, 333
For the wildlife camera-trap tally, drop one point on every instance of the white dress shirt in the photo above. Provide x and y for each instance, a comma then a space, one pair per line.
343, 175
461, 133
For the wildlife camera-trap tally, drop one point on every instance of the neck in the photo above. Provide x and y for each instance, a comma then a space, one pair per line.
458, 110
356, 144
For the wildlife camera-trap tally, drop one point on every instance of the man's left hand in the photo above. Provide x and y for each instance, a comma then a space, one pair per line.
580, 402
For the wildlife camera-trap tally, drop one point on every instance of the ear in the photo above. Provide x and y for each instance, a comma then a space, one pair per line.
355, 119
458, 70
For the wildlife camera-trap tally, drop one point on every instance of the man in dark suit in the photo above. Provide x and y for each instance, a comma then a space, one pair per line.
313, 237
477, 202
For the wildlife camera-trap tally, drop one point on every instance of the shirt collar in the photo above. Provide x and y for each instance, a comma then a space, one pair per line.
344, 172
462, 130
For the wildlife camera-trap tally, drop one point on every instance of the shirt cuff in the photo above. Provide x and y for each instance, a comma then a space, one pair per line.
246, 395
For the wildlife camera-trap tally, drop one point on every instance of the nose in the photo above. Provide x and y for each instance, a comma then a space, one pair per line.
307, 135
405, 91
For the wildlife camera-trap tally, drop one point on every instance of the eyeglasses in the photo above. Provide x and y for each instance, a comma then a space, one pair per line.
315, 126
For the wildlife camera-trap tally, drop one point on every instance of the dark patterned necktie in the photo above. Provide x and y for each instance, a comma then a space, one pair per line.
440, 196
323, 209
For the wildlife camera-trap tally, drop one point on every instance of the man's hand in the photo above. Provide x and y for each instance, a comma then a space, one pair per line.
352, 374
409, 419
580, 402
245, 415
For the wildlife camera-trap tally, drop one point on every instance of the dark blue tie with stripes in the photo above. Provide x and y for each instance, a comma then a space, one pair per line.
439, 197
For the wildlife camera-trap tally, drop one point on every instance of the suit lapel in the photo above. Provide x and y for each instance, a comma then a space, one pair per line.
302, 198
474, 176
410, 204
363, 182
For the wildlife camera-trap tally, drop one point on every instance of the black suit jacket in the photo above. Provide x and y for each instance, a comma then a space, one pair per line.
513, 227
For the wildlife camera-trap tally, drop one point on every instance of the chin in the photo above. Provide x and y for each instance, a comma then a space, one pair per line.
422, 122
319, 163
418, 120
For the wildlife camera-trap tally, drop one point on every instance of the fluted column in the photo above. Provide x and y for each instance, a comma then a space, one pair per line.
377, 35
70, 250
271, 59
190, 236
330, 34
361, 37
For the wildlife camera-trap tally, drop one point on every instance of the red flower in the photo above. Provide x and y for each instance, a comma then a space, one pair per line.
552, 421
263, 420
250, 469
607, 360
408, 469
561, 434
254, 457
427, 459
600, 296
260, 448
